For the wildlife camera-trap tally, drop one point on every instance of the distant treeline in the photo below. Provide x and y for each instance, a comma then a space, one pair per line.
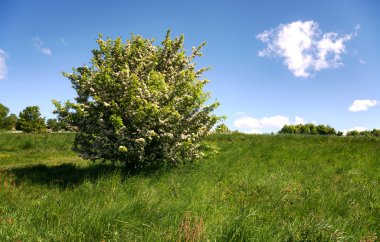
29, 120
321, 129
374, 132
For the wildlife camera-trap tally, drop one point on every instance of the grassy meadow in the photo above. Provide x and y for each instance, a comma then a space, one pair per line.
257, 188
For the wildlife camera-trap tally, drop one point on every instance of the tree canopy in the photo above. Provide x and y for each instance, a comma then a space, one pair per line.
7, 121
30, 120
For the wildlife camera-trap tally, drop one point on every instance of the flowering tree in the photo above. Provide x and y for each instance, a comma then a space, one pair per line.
139, 103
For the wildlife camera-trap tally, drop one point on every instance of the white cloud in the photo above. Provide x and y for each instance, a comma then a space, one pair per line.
299, 120
247, 122
266, 124
39, 44
362, 105
357, 28
63, 40
46, 51
255, 131
302, 47
275, 121
254, 125
3, 65
361, 61
240, 113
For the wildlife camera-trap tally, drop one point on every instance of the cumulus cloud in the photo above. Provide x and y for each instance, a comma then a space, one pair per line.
299, 120
265, 124
247, 122
304, 48
362, 105
275, 121
254, 125
39, 44
3, 65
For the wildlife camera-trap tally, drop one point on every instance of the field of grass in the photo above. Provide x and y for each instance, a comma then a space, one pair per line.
258, 188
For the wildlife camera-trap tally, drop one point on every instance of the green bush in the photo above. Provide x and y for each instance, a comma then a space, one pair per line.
375, 132
139, 103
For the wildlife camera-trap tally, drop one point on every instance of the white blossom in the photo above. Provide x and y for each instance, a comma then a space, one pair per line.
140, 140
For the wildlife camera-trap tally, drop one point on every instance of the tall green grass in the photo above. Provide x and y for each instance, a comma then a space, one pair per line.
26, 149
258, 188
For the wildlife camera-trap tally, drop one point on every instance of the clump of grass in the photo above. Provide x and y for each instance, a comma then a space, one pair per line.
191, 229
27, 145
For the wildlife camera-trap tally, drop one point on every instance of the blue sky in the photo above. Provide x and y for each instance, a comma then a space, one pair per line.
273, 62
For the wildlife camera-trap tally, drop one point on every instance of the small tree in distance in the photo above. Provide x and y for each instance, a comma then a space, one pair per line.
53, 124
3, 112
139, 103
66, 119
30, 120
222, 129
